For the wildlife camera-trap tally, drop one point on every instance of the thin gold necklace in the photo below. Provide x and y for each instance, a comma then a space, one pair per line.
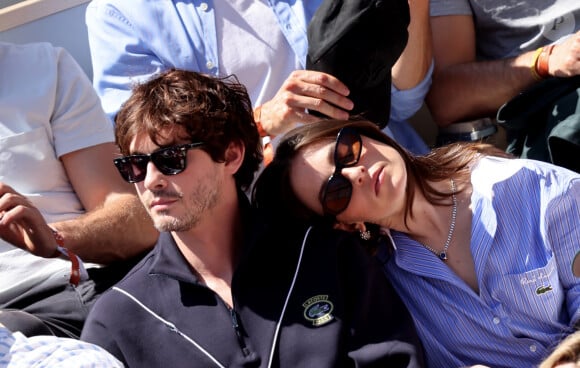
443, 254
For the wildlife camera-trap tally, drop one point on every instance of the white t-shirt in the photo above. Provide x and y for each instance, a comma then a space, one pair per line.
48, 108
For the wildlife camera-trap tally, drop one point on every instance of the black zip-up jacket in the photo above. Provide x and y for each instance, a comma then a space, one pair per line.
310, 298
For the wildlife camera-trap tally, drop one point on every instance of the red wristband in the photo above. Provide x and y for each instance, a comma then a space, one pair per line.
75, 272
543, 63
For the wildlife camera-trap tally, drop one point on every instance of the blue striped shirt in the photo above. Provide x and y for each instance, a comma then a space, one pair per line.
525, 233
19, 351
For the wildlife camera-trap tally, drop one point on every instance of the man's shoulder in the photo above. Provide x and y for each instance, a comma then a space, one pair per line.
32, 47
134, 283
136, 278
41, 56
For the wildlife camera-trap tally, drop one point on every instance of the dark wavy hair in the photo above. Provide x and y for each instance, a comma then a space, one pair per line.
194, 107
273, 192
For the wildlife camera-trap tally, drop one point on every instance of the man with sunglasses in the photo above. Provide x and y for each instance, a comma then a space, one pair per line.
222, 287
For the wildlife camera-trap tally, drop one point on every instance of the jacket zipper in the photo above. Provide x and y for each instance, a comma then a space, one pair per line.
236, 326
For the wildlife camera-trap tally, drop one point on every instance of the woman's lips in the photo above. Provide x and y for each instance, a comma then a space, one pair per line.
380, 179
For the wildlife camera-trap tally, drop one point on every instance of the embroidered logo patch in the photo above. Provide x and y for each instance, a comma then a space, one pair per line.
543, 289
318, 310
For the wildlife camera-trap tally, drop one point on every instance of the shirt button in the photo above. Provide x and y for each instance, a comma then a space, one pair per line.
496, 320
533, 348
203, 6
209, 65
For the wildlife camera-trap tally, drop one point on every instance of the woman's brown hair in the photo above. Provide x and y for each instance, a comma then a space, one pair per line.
273, 192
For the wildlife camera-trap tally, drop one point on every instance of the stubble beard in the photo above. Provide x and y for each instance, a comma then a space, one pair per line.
201, 201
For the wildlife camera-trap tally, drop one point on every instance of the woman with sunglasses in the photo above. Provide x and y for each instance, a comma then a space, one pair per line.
483, 243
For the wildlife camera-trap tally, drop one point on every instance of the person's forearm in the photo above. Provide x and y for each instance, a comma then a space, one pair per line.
116, 231
414, 62
475, 90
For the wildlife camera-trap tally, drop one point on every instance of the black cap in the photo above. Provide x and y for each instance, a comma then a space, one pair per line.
358, 42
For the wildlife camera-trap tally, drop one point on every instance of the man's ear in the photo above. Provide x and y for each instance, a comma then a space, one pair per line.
234, 156
357, 226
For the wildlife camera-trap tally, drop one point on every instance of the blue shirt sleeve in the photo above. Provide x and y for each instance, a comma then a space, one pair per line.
405, 103
131, 41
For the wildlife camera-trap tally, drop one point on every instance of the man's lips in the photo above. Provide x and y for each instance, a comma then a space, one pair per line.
162, 202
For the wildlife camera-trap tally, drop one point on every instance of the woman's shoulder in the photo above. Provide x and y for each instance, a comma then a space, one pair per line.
499, 167
492, 174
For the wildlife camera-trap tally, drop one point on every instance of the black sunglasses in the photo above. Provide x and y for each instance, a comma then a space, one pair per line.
170, 161
336, 193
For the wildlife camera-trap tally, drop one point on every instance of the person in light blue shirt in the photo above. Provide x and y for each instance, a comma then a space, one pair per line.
483, 244
19, 351
263, 43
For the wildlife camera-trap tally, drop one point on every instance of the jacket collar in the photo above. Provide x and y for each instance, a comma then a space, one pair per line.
168, 259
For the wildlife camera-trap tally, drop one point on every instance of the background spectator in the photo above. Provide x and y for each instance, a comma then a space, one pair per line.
56, 145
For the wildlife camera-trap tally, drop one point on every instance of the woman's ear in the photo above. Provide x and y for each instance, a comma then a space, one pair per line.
357, 226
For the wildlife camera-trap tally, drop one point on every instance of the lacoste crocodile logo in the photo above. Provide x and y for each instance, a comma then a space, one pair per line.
543, 289
318, 310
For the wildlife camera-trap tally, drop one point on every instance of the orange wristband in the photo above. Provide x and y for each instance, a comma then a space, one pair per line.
268, 151
543, 62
